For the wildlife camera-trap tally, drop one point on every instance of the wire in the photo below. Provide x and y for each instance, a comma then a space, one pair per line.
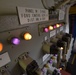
44, 4
47, 6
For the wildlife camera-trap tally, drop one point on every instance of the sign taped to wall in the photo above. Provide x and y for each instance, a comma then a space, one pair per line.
62, 28
52, 33
32, 15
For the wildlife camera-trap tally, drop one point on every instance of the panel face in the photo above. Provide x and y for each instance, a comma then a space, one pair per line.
4, 59
32, 15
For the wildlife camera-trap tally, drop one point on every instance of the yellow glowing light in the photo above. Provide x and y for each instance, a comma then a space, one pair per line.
27, 36
1, 47
61, 48
57, 25
51, 28
60, 68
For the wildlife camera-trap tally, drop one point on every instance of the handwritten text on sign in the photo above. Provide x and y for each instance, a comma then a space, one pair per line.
31, 15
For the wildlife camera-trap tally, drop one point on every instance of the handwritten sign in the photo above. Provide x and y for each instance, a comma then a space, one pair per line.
31, 15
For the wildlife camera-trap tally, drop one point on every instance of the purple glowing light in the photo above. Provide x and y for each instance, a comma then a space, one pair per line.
56, 55
51, 61
54, 26
15, 41
46, 30
60, 24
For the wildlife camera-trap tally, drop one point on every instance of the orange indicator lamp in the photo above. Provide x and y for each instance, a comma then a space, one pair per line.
1, 46
27, 36
57, 25
51, 28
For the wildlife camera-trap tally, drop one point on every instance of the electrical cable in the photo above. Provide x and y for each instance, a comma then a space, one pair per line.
47, 6
44, 4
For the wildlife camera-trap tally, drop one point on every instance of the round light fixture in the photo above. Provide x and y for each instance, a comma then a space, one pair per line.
57, 25
46, 29
50, 27
15, 40
60, 68
60, 24
27, 36
1, 46
61, 48
54, 26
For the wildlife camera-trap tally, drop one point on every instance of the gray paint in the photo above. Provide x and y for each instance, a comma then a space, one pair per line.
9, 25
9, 6
33, 46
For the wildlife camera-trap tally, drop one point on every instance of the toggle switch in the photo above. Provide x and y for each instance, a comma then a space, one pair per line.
60, 44
54, 49
68, 35
67, 40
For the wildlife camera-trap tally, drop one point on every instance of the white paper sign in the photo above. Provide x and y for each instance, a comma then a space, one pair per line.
58, 30
31, 15
4, 59
61, 15
52, 33
61, 28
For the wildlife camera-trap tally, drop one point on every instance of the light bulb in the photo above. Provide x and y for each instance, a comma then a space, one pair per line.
54, 26
15, 41
46, 30
1, 46
27, 36
57, 25
60, 24
51, 61
50, 27
60, 68
61, 48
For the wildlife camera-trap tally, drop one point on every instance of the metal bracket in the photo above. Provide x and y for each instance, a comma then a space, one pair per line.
23, 55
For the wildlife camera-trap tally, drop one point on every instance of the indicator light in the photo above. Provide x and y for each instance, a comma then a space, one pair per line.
1, 46
45, 29
60, 24
60, 68
56, 55
15, 40
27, 36
61, 48
57, 25
50, 27
51, 61
54, 26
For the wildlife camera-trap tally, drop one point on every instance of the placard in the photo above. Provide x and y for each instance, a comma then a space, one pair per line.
58, 30
4, 59
61, 28
52, 33
32, 15
61, 15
